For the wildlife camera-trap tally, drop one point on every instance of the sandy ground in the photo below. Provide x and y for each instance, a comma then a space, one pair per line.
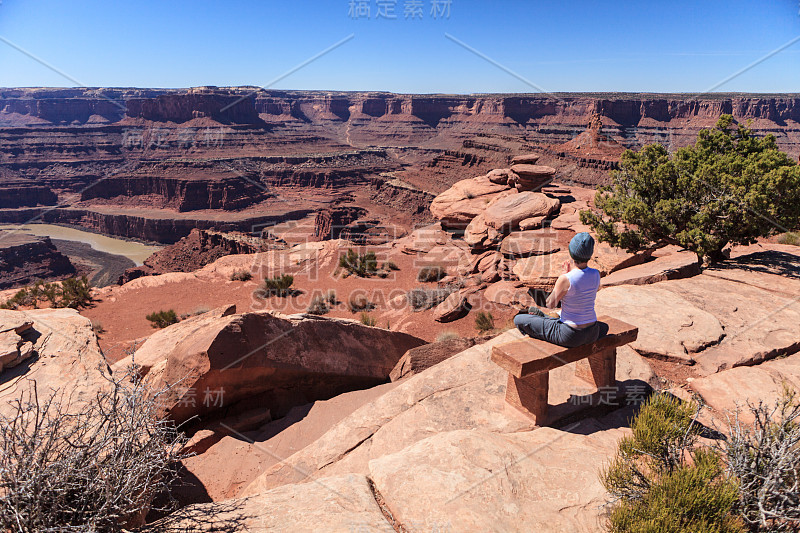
123, 321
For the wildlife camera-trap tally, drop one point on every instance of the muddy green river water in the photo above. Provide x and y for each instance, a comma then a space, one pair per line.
136, 252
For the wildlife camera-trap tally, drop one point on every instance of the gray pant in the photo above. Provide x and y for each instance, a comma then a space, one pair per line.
554, 331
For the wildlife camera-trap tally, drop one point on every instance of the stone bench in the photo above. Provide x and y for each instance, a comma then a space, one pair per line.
528, 363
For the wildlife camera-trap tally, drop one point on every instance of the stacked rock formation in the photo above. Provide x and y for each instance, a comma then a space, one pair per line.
501, 215
490, 207
516, 232
528, 176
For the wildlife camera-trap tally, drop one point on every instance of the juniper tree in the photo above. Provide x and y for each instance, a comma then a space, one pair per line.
730, 187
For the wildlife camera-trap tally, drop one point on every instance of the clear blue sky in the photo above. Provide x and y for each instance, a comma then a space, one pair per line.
558, 45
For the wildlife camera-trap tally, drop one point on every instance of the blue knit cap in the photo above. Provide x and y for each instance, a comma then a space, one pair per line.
581, 247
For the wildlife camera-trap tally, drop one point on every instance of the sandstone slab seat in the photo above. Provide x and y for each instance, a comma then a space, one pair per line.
671, 327
274, 361
528, 363
506, 212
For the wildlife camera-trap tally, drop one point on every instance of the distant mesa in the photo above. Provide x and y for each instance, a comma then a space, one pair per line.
26, 258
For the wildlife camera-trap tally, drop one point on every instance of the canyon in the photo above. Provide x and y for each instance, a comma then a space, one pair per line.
153, 164
400, 416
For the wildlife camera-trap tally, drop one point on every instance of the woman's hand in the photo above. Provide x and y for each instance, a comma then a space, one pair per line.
566, 266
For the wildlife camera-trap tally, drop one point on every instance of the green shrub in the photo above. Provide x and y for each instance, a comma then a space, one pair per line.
318, 306
694, 498
367, 320
484, 321
21, 297
421, 298
331, 298
361, 265
359, 302
162, 319
729, 188
789, 237
279, 285
75, 292
431, 273
241, 275
662, 482
72, 292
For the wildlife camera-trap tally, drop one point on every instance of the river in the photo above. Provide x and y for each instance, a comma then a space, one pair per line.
135, 251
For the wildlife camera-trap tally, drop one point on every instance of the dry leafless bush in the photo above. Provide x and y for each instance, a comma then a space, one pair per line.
765, 458
84, 465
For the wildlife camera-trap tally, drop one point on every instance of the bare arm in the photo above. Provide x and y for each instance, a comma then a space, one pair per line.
559, 291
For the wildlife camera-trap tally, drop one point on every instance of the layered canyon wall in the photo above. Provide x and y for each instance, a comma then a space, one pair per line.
155, 163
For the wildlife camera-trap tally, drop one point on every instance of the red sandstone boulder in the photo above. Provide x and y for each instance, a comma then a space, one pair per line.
476, 234
465, 200
541, 271
423, 240
418, 359
502, 176
525, 159
452, 308
527, 243
160, 343
509, 293
505, 213
670, 326
532, 177
531, 223
273, 361
608, 259
674, 266
13, 347
533, 172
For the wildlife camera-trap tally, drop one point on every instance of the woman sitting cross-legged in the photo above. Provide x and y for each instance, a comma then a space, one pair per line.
575, 289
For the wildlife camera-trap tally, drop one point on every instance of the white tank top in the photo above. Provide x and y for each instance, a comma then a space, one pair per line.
577, 306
